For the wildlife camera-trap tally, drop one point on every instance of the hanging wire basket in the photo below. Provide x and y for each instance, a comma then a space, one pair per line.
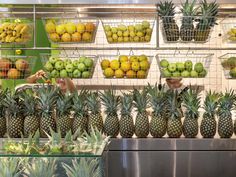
71, 30
228, 63
179, 65
228, 26
66, 66
130, 30
16, 67
178, 29
125, 66
16, 31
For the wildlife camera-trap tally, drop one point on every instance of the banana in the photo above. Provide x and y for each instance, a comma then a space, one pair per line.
3, 35
12, 39
7, 39
18, 28
25, 29
18, 39
14, 33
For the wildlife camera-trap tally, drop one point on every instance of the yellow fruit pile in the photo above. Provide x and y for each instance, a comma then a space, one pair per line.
70, 31
232, 34
15, 32
129, 67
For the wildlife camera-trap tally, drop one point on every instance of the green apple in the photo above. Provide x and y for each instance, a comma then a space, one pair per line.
176, 74
119, 33
63, 73
172, 67
232, 72
59, 65
180, 66
76, 73
131, 28
138, 27
188, 65
164, 63
86, 74
81, 67
145, 24
114, 30
48, 66
69, 68
75, 63
122, 27
54, 74
198, 67
166, 73
185, 73
70, 75
107, 28
53, 60
203, 73
193, 73
88, 62
82, 59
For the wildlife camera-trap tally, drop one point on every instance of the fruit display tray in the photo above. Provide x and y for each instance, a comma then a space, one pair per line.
16, 67
46, 57
16, 31
228, 63
78, 39
229, 30
184, 65
116, 57
173, 33
141, 29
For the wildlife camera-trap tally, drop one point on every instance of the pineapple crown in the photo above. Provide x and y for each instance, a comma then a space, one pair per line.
157, 98
207, 15
110, 100
166, 9
46, 99
93, 102
192, 101
126, 104
173, 104
226, 102
2, 98
141, 100
188, 12
63, 104
79, 104
211, 103
29, 103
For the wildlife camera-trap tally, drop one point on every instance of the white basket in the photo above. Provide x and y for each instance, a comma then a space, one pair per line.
227, 67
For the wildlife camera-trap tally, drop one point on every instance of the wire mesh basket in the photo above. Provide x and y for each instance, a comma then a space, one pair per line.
229, 30
16, 67
65, 66
228, 63
178, 29
125, 66
179, 65
16, 31
71, 30
130, 30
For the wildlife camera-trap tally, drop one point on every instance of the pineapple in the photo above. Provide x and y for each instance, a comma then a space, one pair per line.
111, 102
63, 107
191, 102
13, 105
174, 125
187, 28
158, 123
126, 120
3, 122
141, 103
167, 13
10, 167
206, 20
208, 124
84, 167
31, 121
46, 101
225, 124
80, 113
95, 118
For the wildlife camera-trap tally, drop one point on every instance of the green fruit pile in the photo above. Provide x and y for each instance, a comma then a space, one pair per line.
182, 69
140, 32
126, 67
14, 68
79, 68
70, 31
15, 32
230, 64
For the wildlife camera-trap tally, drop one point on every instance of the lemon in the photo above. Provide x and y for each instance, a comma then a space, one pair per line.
105, 64
119, 73
115, 64
123, 58
125, 66
133, 58
18, 52
144, 65
135, 66
131, 74
141, 74
109, 73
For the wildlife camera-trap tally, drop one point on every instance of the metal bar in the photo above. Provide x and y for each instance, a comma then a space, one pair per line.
35, 33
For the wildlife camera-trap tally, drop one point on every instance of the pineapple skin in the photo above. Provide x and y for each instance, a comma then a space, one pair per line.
201, 35
111, 125
95, 121
31, 125
64, 124
80, 122
3, 126
126, 126
225, 126
190, 127
15, 127
142, 125
187, 34
158, 126
45, 124
174, 128
208, 127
